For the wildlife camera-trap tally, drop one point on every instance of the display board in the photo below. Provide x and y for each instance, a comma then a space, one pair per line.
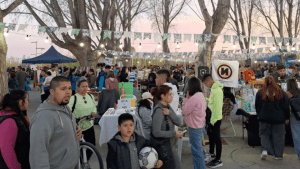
128, 88
226, 72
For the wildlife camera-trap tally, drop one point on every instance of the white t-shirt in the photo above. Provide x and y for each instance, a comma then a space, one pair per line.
48, 79
53, 74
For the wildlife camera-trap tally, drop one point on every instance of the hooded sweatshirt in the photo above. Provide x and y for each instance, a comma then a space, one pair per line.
53, 138
123, 155
112, 83
215, 102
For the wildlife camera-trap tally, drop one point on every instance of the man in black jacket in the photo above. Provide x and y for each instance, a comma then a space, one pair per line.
124, 147
177, 75
280, 75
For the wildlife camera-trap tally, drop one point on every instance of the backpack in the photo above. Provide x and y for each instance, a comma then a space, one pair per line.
295, 106
75, 100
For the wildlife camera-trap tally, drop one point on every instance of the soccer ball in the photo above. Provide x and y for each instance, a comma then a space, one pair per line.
148, 158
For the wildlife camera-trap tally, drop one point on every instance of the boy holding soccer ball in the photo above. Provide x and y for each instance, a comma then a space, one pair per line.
124, 147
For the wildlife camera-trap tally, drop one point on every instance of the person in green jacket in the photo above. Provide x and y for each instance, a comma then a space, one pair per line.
215, 104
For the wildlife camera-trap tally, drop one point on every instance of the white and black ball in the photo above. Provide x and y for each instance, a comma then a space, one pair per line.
148, 158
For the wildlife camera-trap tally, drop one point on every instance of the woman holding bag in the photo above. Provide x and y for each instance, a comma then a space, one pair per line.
163, 131
193, 110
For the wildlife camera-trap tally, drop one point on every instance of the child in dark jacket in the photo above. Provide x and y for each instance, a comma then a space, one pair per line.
124, 147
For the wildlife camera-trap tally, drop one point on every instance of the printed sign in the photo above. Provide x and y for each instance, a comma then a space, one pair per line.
226, 72
124, 104
108, 61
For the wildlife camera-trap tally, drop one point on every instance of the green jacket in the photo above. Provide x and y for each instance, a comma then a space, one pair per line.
215, 102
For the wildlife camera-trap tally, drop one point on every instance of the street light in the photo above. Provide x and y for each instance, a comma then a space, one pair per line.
253, 47
102, 46
81, 44
158, 45
6, 33
140, 46
47, 40
27, 37
177, 46
121, 46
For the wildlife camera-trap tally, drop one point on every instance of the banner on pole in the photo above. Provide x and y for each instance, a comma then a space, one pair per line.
226, 72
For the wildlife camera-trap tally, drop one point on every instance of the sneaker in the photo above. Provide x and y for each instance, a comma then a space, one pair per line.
215, 163
207, 156
278, 158
212, 155
42, 93
264, 155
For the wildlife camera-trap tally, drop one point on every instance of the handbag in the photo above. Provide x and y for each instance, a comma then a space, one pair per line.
295, 106
163, 146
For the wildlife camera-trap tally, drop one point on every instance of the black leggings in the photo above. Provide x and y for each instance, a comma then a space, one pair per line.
215, 139
89, 136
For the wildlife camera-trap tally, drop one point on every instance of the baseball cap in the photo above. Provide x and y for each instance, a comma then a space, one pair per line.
147, 95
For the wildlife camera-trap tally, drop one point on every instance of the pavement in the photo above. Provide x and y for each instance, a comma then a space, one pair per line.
236, 154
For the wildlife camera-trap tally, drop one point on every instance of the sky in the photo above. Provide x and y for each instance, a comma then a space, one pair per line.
188, 23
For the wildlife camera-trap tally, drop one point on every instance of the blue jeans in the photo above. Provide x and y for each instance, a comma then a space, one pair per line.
196, 146
295, 126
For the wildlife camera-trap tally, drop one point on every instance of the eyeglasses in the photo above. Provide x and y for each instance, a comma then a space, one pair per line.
85, 100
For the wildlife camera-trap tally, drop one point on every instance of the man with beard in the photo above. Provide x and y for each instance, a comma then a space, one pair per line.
54, 139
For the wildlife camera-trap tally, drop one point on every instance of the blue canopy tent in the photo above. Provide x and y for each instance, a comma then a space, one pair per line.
51, 56
275, 58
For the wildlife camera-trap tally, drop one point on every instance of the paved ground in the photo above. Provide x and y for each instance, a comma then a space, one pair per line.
237, 154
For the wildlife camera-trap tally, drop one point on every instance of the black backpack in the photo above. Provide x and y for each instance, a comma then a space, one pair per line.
75, 100
295, 106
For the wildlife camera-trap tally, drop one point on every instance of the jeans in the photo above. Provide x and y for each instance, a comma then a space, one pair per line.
214, 134
295, 126
196, 146
272, 138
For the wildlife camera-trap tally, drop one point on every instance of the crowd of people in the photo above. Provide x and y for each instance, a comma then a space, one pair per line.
50, 138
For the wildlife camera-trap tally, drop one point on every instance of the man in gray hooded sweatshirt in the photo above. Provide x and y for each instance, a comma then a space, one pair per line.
53, 136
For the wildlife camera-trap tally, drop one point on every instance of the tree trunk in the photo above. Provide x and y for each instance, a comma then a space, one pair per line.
214, 25
3, 74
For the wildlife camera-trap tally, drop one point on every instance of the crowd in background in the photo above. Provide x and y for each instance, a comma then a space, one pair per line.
157, 110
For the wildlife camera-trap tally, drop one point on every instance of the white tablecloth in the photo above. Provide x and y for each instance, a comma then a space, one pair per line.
109, 126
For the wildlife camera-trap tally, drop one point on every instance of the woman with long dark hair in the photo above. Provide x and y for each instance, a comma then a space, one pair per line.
14, 131
193, 110
272, 108
293, 91
163, 131
123, 75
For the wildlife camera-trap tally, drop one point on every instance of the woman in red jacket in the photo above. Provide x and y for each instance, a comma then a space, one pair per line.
14, 131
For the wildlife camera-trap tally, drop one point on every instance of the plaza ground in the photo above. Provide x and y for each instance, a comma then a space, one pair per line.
235, 155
